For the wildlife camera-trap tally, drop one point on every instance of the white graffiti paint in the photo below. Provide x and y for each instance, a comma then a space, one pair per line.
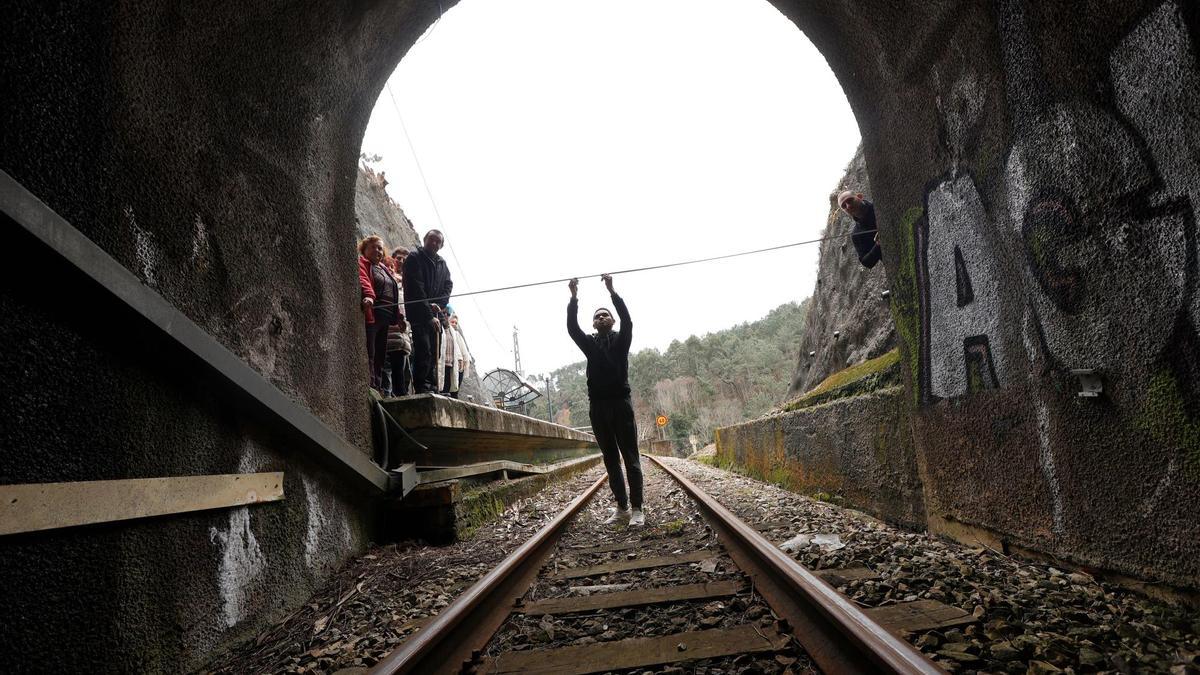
1029, 338
1080, 169
325, 530
960, 107
1049, 472
144, 249
201, 248
242, 562
957, 219
273, 333
1157, 87
1151, 503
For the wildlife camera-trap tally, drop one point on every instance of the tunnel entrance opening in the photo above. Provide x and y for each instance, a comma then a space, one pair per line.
211, 152
555, 139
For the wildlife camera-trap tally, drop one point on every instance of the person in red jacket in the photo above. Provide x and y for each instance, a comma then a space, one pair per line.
380, 298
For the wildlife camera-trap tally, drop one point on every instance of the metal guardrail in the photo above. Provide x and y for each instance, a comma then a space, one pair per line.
300, 425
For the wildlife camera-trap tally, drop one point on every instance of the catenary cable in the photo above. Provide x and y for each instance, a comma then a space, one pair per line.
436, 212
631, 270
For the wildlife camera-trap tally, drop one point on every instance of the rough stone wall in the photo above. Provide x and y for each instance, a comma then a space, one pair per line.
848, 299
1037, 158
1057, 230
211, 150
858, 451
86, 401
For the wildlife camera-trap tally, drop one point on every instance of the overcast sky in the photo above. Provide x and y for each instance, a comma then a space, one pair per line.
573, 137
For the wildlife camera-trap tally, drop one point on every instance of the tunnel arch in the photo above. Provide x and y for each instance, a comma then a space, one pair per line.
212, 152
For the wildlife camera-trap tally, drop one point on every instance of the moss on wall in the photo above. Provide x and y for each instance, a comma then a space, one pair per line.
906, 299
861, 378
1164, 418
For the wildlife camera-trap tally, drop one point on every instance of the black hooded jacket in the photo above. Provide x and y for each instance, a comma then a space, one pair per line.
607, 355
427, 279
863, 237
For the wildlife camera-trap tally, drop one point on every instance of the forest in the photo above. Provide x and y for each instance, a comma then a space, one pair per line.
699, 384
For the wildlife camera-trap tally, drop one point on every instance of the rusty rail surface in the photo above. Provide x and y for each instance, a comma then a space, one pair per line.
838, 636
466, 625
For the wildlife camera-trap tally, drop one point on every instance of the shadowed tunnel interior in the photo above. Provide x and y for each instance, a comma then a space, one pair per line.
1044, 158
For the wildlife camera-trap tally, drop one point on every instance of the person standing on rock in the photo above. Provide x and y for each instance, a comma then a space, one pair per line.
427, 287
865, 235
609, 403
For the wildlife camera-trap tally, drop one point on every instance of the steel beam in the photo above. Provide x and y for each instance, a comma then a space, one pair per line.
310, 433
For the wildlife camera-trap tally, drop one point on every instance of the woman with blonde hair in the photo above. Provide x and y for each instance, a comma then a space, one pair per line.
380, 299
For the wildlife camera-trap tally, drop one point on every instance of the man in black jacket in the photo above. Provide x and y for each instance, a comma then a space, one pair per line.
864, 235
609, 405
427, 287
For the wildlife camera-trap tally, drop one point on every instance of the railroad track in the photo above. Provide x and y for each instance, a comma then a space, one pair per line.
583, 598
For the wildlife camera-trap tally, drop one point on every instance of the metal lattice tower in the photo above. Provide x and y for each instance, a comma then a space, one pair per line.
516, 353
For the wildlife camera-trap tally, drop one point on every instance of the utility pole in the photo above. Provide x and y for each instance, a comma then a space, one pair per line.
549, 404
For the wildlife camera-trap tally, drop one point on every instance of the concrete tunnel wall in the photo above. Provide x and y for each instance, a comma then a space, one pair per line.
211, 150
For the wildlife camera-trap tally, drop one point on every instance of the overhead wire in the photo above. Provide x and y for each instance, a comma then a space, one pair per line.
633, 269
437, 213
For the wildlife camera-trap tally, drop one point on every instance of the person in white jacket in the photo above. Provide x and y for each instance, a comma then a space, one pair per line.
462, 354
453, 357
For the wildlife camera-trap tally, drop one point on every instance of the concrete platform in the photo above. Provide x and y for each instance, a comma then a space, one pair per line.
457, 432
446, 511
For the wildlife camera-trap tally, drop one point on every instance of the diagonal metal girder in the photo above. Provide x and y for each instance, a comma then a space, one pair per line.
297, 423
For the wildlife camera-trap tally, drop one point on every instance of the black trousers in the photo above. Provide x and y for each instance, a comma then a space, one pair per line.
399, 373
616, 433
446, 382
377, 346
424, 359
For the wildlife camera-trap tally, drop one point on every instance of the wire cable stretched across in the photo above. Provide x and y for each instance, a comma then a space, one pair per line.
630, 270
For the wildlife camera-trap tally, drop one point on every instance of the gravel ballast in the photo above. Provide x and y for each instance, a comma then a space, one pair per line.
1031, 618
380, 598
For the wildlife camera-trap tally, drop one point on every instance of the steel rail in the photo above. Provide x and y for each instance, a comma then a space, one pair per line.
465, 626
838, 636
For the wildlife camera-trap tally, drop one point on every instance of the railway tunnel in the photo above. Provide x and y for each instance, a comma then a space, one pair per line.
1036, 170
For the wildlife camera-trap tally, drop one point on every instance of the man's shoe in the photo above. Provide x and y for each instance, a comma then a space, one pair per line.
637, 518
616, 515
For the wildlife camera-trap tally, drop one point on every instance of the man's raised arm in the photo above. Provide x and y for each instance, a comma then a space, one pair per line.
573, 319
625, 335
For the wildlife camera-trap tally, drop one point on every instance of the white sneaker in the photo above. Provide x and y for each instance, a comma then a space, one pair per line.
616, 515
637, 518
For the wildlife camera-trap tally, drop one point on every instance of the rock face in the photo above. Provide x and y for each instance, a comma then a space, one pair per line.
376, 213
847, 299
1036, 178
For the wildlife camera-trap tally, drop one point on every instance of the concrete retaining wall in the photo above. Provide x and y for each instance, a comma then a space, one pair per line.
857, 451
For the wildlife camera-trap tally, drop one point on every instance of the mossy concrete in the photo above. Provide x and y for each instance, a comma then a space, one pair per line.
870, 375
855, 451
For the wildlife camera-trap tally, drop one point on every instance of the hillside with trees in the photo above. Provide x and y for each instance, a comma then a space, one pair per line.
700, 384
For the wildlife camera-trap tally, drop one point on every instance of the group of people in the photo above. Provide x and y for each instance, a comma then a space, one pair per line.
414, 341
440, 356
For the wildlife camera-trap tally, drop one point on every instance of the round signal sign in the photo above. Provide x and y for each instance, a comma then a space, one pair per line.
661, 420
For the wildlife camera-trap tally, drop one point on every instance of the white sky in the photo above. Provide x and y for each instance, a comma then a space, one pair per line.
573, 137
